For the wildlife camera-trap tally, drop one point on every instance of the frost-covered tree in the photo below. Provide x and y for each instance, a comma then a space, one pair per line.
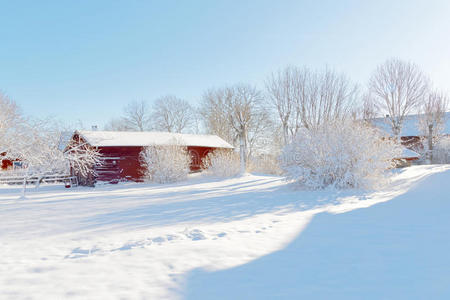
398, 88
43, 155
12, 130
165, 164
343, 154
173, 114
81, 158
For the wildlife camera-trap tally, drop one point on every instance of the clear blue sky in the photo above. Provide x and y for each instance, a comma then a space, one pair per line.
86, 59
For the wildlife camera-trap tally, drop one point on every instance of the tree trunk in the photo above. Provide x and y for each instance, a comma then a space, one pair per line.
24, 187
430, 143
285, 134
243, 151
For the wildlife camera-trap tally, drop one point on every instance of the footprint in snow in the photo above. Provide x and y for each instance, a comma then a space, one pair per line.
159, 239
194, 234
78, 252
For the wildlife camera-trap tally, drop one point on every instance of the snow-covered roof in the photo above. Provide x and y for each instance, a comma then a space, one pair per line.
410, 125
151, 138
408, 154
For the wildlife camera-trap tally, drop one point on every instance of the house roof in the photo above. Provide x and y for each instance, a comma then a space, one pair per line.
150, 138
409, 154
410, 125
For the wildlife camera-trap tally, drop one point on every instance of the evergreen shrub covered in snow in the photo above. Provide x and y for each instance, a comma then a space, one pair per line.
343, 154
222, 163
165, 164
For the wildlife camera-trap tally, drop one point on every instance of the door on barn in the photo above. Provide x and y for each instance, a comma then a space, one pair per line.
195, 160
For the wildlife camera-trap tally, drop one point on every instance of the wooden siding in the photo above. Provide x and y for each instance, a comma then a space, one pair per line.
122, 163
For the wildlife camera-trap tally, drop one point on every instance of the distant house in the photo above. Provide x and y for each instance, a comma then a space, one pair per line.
410, 135
120, 150
7, 164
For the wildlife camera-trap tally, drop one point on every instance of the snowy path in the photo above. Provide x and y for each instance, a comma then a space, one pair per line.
138, 241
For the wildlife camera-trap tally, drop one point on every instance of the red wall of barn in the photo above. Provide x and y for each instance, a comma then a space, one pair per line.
120, 163
123, 162
197, 155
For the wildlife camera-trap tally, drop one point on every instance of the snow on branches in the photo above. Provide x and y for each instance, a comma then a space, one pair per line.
343, 154
165, 164
81, 158
36, 143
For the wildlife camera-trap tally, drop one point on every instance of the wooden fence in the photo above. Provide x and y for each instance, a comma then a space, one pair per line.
67, 180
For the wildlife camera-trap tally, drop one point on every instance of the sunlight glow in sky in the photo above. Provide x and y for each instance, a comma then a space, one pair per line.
85, 60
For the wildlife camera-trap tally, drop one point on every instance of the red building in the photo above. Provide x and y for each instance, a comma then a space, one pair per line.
121, 150
8, 164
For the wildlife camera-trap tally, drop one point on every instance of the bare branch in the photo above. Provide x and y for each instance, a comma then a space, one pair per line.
398, 87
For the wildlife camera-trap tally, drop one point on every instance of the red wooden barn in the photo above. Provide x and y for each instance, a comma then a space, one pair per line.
120, 150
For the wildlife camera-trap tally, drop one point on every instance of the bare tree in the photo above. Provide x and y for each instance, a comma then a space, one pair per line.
173, 114
328, 96
398, 87
305, 98
214, 113
137, 116
282, 89
261, 131
370, 108
432, 118
243, 103
117, 124
237, 114
367, 109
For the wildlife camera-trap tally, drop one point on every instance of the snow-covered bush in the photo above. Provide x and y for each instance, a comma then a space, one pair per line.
441, 152
165, 164
343, 154
222, 163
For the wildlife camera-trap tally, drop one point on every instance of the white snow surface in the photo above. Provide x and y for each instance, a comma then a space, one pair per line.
234, 238
151, 138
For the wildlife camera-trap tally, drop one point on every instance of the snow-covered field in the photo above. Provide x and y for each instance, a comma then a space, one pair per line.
212, 238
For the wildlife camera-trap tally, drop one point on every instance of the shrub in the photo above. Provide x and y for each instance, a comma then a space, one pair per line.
165, 164
343, 154
441, 153
222, 163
